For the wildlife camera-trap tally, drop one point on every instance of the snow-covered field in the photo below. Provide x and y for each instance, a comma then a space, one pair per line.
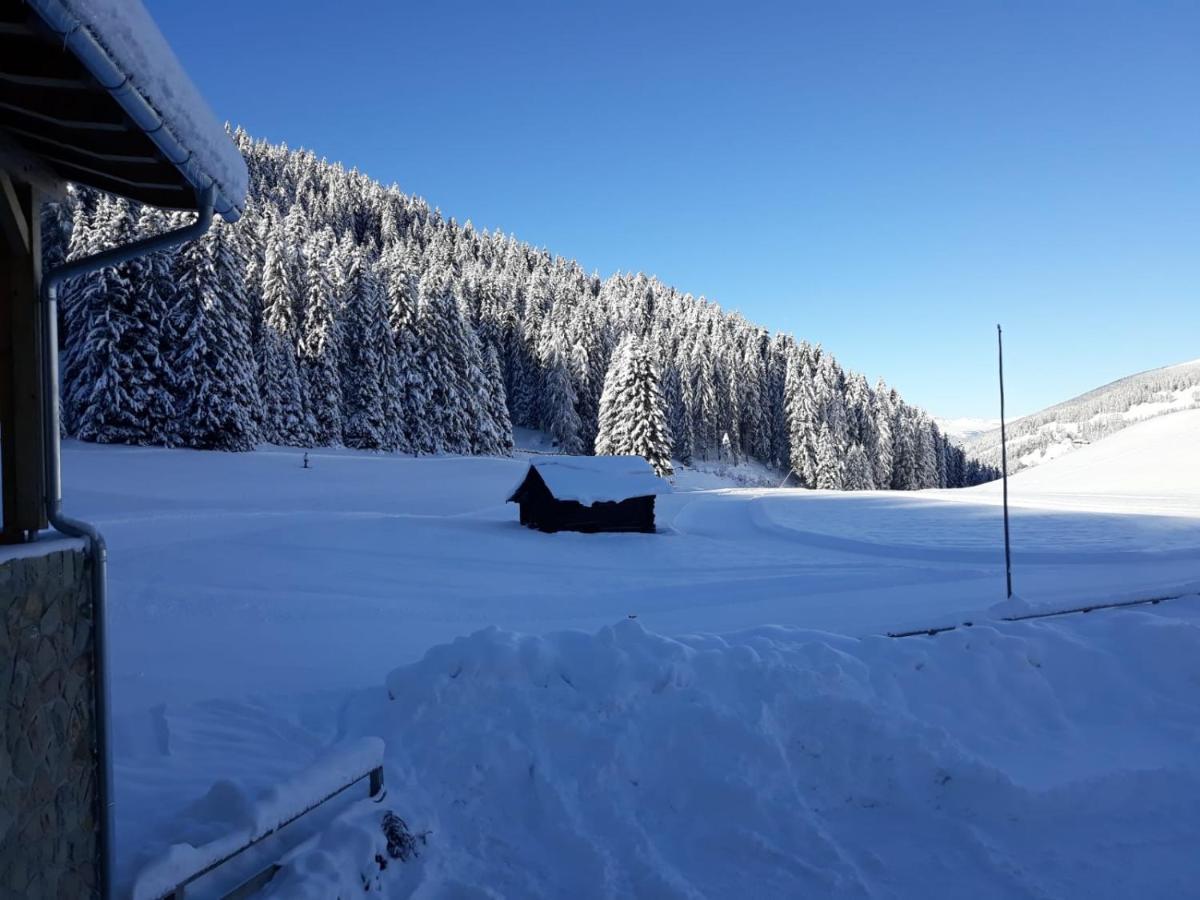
258, 607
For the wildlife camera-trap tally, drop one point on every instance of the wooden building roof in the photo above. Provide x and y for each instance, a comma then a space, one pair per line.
595, 479
91, 92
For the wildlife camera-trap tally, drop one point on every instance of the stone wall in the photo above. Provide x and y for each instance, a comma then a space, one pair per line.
48, 770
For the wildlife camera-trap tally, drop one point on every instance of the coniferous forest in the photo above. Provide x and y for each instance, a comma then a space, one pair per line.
339, 312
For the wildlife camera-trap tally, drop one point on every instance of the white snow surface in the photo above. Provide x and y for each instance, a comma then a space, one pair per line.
138, 49
996, 761
596, 479
749, 727
1151, 467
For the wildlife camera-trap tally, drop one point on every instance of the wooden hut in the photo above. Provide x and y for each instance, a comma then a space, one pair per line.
589, 494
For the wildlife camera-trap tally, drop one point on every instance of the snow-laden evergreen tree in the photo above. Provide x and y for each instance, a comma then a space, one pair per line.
408, 396
368, 359
705, 413
830, 474
587, 384
755, 430
633, 418
498, 403
154, 288
320, 345
214, 363
559, 417
803, 420
858, 470
882, 417
282, 416
677, 416
110, 366
484, 433
441, 423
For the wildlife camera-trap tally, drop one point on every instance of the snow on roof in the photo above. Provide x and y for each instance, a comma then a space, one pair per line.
596, 479
119, 44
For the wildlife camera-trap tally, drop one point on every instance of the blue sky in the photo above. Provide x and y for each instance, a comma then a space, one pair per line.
889, 179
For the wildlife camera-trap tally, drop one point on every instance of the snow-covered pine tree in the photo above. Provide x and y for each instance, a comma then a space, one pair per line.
214, 363
320, 345
633, 419
483, 431
587, 399
497, 403
115, 362
677, 416
283, 420
755, 433
406, 398
858, 470
154, 289
559, 418
441, 423
780, 349
368, 359
882, 419
802, 413
704, 411
830, 466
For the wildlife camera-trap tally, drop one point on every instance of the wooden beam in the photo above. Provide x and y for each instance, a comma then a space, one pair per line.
14, 218
21, 460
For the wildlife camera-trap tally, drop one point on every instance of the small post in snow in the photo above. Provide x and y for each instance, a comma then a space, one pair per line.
1004, 465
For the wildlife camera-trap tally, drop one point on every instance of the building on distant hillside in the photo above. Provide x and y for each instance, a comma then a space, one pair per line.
589, 494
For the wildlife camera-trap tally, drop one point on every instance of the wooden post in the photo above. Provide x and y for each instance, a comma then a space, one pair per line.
21, 472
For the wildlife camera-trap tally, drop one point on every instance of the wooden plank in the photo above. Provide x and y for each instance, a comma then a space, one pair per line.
14, 219
21, 460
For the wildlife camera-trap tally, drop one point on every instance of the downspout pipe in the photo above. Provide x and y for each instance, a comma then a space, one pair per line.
77, 528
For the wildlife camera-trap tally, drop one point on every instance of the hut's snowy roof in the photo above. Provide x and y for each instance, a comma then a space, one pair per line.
596, 479
121, 47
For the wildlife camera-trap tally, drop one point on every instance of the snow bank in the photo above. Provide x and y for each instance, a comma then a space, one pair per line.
227, 819
1032, 759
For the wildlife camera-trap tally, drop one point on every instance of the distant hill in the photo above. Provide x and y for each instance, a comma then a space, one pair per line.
966, 428
1065, 427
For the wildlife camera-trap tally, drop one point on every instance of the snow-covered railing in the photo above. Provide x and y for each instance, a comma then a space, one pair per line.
168, 877
1042, 614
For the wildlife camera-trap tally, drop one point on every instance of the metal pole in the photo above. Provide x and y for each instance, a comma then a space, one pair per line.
77, 528
1004, 466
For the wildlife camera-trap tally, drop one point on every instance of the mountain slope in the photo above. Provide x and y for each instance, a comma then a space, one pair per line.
1065, 427
1148, 468
340, 312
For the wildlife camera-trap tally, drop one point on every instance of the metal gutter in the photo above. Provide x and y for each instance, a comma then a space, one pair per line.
77, 37
78, 528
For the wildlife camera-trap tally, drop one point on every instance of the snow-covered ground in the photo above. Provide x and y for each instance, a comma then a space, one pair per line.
258, 607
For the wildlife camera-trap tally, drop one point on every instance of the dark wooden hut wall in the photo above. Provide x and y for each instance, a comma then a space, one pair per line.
540, 509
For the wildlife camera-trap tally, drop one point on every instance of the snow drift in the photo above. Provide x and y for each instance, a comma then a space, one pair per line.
1035, 759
